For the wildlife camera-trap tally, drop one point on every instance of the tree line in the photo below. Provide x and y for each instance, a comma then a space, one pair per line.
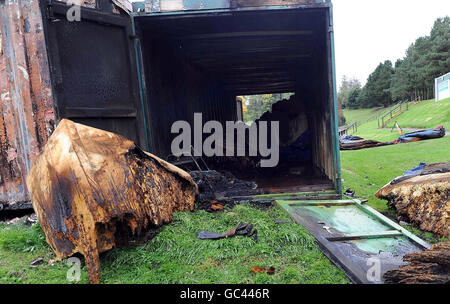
410, 78
257, 105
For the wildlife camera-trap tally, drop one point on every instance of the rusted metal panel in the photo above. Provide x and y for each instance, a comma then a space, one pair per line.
27, 114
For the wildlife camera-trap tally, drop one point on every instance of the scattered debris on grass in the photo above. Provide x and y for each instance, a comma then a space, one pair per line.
36, 262
213, 206
351, 142
269, 271
241, 229
94, 190
349, 193
421, 197
28, 220
437, 132
430, 266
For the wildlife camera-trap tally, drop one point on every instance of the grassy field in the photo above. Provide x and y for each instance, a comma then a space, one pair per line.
366, 171
361, 115
370, 131
425, 115
177, 256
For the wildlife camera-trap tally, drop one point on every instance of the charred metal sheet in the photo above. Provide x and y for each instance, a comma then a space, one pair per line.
27, 115
94, 71
358, 239
94, 190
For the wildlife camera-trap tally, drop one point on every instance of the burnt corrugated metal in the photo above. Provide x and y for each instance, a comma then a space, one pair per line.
27, 115
176, 90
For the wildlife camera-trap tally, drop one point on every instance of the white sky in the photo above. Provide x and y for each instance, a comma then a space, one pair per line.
368, 32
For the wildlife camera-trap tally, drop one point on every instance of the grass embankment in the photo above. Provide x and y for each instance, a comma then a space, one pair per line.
361, 115
425, 115
177, 256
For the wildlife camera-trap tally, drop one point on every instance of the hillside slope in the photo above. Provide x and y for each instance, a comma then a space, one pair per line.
425, 115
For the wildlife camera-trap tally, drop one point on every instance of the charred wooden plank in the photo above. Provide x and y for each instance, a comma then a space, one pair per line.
93, 190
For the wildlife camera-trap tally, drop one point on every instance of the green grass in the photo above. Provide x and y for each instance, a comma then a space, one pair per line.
367, 170
425, 115
361, 115
177, 256
370, 131
19, 246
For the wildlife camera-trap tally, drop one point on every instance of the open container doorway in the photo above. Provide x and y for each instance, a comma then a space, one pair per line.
200, 63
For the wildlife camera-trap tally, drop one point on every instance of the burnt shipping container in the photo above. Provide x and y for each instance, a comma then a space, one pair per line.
136, 73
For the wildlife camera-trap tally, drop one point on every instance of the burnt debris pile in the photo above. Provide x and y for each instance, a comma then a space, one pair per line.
94, 190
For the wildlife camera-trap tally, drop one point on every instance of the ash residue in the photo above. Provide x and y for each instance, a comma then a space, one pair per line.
213, 184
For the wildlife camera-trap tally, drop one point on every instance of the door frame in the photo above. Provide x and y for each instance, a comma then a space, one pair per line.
50, 10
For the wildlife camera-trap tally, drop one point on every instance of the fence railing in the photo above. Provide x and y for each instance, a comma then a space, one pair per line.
396, 111
345, 130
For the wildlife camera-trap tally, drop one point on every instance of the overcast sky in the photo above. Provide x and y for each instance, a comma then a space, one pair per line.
368, 32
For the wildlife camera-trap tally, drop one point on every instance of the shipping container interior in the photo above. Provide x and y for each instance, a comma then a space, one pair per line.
200, 63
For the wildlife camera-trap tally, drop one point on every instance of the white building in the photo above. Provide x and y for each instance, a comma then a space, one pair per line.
442, 87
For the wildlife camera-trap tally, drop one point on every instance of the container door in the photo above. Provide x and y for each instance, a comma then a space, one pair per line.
358, 239
93, 69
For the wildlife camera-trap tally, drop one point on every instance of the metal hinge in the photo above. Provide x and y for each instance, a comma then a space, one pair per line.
330, 29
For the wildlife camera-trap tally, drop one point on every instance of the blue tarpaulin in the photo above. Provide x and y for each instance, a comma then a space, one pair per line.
422, 135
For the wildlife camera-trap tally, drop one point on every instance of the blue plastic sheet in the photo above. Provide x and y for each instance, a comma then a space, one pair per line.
422, 135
